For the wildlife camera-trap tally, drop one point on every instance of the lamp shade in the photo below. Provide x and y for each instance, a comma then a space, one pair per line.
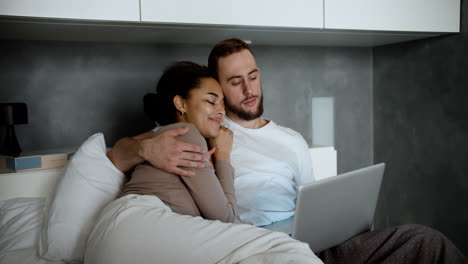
13, 114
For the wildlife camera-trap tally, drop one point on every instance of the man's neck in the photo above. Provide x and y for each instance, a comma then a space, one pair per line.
252, 124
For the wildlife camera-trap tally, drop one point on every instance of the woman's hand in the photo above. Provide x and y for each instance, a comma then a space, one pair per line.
222, 144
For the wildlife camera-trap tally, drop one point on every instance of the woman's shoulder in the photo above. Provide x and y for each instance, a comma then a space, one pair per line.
165, 128
192, 136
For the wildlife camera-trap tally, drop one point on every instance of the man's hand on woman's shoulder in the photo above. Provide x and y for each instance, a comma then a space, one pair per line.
163, 151
169, 154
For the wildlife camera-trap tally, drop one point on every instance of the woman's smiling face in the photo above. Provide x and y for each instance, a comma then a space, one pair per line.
204, 107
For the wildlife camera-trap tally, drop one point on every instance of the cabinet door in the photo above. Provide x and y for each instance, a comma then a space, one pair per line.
393, 15
292, 13
119, 10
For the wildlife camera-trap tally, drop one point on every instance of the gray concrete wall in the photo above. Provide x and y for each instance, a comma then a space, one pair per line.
75, 89
421, 132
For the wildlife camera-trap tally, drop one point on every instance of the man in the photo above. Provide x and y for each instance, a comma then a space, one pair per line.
270, 162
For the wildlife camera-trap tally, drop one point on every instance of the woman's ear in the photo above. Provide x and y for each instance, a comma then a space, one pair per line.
179, 104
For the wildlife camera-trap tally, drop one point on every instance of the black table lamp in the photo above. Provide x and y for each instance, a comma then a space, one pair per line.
11, 114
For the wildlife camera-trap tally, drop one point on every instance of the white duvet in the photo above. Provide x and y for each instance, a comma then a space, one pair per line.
141, 229
20, 226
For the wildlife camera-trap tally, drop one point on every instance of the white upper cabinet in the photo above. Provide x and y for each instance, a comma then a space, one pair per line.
291, 13
112, 10
364, 23
393, 15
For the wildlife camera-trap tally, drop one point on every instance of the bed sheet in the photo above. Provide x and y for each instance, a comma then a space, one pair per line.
20, 226
210, 241
141, 229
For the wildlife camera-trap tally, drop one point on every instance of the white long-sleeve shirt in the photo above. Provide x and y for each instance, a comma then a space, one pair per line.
270, 163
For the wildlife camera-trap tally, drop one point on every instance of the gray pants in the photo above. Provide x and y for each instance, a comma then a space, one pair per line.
401, 245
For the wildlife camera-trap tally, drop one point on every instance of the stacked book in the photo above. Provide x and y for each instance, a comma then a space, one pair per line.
35, 160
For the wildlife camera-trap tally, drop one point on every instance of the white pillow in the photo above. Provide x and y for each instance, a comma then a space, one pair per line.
88, 183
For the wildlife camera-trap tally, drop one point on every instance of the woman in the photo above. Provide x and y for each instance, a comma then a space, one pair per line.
187, 95
144, 228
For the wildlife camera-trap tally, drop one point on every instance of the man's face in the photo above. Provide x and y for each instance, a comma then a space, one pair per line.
239, 77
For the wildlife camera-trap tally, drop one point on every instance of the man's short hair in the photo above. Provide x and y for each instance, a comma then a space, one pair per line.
223, 49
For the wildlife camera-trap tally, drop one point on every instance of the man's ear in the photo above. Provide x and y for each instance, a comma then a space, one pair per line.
179, 104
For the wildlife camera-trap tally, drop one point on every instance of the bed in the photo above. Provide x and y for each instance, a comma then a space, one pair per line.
22, 199
42, 221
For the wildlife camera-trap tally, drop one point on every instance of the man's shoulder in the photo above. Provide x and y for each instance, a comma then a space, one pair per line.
286, 131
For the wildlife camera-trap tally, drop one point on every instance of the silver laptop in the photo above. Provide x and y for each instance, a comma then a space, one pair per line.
333, 210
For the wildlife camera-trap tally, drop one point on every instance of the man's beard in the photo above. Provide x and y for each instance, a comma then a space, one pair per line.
244, 115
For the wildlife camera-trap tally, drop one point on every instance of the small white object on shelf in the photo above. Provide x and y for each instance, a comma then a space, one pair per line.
324, 161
